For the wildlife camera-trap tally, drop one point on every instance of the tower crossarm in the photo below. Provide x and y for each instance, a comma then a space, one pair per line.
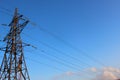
21, 25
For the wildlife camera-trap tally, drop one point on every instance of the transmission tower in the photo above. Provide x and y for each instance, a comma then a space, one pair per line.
13, 65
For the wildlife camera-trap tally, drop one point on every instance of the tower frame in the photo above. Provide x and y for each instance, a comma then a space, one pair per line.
13, 65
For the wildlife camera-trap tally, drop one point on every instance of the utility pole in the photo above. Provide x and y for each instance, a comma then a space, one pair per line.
13, 65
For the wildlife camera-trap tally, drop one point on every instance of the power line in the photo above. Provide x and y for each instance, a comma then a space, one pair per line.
61, 62
7, 10
4, 12
57, 58
47, 56
68, 44
46, 65
57, 61
59, 51
60, 40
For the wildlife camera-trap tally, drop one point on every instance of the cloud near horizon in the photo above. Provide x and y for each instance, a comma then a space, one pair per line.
106, 73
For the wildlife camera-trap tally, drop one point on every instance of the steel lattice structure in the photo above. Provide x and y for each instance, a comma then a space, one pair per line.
13, 65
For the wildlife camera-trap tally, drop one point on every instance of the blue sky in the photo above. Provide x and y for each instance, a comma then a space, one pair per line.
93, 26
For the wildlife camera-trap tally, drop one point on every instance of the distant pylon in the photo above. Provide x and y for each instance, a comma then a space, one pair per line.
13, 65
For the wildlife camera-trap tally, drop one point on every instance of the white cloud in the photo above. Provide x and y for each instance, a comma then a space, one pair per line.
66, 74
106, 73
93, 69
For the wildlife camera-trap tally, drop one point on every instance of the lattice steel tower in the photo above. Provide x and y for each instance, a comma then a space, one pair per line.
13, 66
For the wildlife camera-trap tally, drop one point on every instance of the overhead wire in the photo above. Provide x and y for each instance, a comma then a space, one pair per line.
70, 45
56, 60
59, 51
46, 65
46, 56
62, 63
6, 9
6, 13
54, 36
61, 59
67, 43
